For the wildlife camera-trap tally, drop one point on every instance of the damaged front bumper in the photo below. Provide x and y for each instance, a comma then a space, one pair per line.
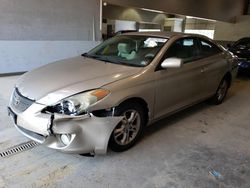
70, 134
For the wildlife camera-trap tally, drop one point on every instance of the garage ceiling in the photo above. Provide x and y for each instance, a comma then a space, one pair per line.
223, 10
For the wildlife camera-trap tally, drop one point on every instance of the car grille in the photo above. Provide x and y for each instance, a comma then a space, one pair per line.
19, 102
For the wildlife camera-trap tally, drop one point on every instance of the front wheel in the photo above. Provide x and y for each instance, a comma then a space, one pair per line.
127, 132
221, 92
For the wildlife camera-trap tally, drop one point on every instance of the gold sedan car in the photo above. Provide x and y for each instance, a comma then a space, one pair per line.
107, 96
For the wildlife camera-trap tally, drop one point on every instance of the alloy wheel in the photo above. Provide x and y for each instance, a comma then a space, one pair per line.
128, 128
221, 93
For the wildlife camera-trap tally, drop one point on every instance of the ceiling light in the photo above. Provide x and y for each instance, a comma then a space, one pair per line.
151, 10
201, 18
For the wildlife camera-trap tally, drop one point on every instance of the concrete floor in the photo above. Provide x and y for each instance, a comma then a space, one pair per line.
179, 151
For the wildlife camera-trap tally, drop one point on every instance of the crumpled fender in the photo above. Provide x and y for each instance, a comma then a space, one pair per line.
92, 133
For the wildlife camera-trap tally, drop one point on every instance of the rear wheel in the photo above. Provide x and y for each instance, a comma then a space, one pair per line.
221, 92
127, 132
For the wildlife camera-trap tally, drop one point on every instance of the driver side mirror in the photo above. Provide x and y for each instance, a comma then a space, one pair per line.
172, 63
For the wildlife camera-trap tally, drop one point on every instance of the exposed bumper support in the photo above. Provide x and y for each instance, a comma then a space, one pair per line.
87, 133
90, 134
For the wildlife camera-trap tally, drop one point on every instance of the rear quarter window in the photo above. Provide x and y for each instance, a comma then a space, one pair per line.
208, 49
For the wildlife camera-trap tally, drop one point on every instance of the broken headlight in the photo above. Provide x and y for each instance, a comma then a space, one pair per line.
78, 104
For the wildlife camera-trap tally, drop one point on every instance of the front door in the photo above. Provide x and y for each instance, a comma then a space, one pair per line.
179, 87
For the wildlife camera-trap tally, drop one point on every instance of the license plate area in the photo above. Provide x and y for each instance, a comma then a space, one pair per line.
13, 115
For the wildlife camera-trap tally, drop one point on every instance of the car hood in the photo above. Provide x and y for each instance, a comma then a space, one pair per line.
61, 79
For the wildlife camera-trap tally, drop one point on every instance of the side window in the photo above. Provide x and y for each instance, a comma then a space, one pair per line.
185, 49
208, 48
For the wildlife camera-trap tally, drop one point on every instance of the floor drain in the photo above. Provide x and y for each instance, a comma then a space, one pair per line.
19, 148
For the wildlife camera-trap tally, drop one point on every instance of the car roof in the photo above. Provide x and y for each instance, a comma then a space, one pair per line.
243, 39
164, 34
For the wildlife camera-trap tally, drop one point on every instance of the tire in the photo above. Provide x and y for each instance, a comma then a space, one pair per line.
221, 92
129, 130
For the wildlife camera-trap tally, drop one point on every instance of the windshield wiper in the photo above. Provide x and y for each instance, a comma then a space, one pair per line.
107, 60
127, 64
97, 57
85, 55
89, 56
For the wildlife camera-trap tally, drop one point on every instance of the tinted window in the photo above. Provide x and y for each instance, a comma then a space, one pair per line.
242, 42
208, 48
185, 49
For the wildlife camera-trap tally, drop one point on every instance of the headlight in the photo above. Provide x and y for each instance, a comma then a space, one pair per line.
78, 104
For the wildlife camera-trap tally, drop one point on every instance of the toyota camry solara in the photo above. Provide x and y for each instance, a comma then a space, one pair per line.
107, 96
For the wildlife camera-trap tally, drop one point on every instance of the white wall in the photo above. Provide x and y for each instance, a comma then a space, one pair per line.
37, 32
195, 23
114, 12
200, 26
124, 25
21, 56
232, 32
49, 19
224, 10
176, 24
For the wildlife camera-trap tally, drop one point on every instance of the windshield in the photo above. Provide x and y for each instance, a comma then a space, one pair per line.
129, 50
242, 43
